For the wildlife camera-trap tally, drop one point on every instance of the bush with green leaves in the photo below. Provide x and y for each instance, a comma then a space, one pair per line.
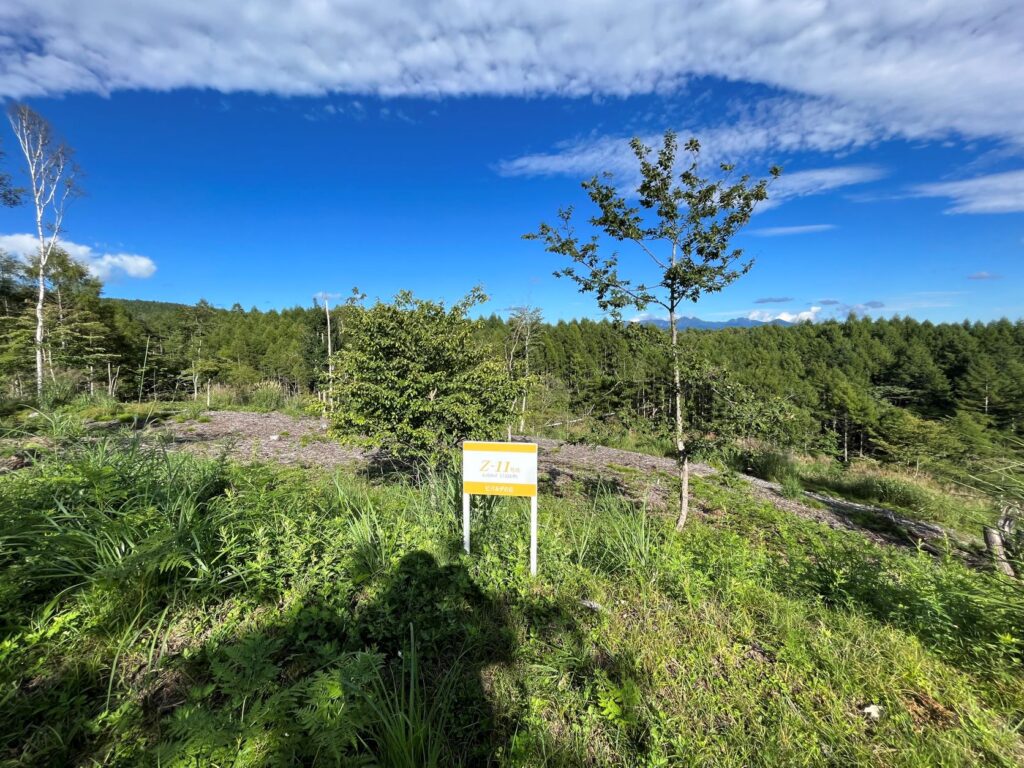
412, 379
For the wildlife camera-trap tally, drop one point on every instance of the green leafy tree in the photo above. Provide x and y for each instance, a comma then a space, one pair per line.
411, 379
684, 224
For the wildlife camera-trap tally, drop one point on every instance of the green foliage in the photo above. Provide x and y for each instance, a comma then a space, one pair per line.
409, 721
791, 487
691, 221
159, 608
410, 379
685, 224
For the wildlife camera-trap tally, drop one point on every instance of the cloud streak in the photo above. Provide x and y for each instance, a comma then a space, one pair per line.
913, 69
105, 266
804, 229
994, 193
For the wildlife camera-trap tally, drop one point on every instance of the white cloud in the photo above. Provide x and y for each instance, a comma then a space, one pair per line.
105, 266
762, 132
761, 135
819, 180
767, 315
798, 230
108, 265
984, 276
912, 69
995, 193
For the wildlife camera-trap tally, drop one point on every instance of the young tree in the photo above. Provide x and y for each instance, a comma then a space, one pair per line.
353, 300
684, 224
52, 183
523, 323
411, 379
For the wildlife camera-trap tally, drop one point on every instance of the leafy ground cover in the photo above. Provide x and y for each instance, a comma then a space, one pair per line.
166, 609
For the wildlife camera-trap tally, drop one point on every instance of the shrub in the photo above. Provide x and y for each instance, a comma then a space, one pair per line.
412, 380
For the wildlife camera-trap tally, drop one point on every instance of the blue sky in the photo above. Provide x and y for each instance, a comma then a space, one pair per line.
239, 155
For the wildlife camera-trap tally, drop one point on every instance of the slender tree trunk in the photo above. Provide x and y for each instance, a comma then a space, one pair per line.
522, 410
330, 356
40, 304
681, 455
142, 378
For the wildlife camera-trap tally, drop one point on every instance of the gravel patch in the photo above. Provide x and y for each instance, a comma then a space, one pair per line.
265, 437
303, 441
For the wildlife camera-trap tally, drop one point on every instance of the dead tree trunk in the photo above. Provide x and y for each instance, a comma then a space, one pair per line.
994, 542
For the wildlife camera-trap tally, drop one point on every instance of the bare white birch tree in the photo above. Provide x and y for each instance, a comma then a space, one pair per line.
325, 297
524, 322
52, 184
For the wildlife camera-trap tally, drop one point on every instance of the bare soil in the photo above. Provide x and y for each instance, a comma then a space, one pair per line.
303, 441
256, 437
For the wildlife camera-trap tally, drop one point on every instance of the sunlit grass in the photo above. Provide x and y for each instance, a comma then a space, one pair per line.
158, 606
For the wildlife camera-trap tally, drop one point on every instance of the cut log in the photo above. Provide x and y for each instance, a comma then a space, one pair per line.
994, 542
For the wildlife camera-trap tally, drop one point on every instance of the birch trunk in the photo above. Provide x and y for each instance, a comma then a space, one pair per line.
681, 456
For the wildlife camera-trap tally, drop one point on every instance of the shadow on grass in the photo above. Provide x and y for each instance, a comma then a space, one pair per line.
309, 686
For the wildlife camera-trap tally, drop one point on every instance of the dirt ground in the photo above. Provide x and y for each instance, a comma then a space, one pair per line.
246, 436
303, 441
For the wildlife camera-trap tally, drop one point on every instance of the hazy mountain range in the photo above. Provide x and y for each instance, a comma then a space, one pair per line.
711, 325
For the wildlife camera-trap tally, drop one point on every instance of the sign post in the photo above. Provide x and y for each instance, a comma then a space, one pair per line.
500, 469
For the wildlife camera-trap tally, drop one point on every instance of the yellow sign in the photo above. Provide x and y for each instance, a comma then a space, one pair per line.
499, 469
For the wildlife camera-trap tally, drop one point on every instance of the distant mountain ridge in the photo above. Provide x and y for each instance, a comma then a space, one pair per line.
164, 310
685, 323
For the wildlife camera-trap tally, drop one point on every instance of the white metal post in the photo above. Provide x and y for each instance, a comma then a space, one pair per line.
465, 522
533, 536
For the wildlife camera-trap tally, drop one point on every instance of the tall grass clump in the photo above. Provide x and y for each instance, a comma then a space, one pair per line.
409, 722
267, 396
771, 465
630, 539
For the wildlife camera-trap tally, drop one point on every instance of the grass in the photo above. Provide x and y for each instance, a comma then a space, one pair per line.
918, 497
914, 496
164, 609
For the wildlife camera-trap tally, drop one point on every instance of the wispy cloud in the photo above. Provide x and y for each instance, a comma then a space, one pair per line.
774, 300
994, 193
838, 308
984, 276
105, 266
755, 134
819, 180
803, 229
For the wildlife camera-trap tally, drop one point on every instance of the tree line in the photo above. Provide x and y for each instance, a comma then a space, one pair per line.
859, 386
902, 389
